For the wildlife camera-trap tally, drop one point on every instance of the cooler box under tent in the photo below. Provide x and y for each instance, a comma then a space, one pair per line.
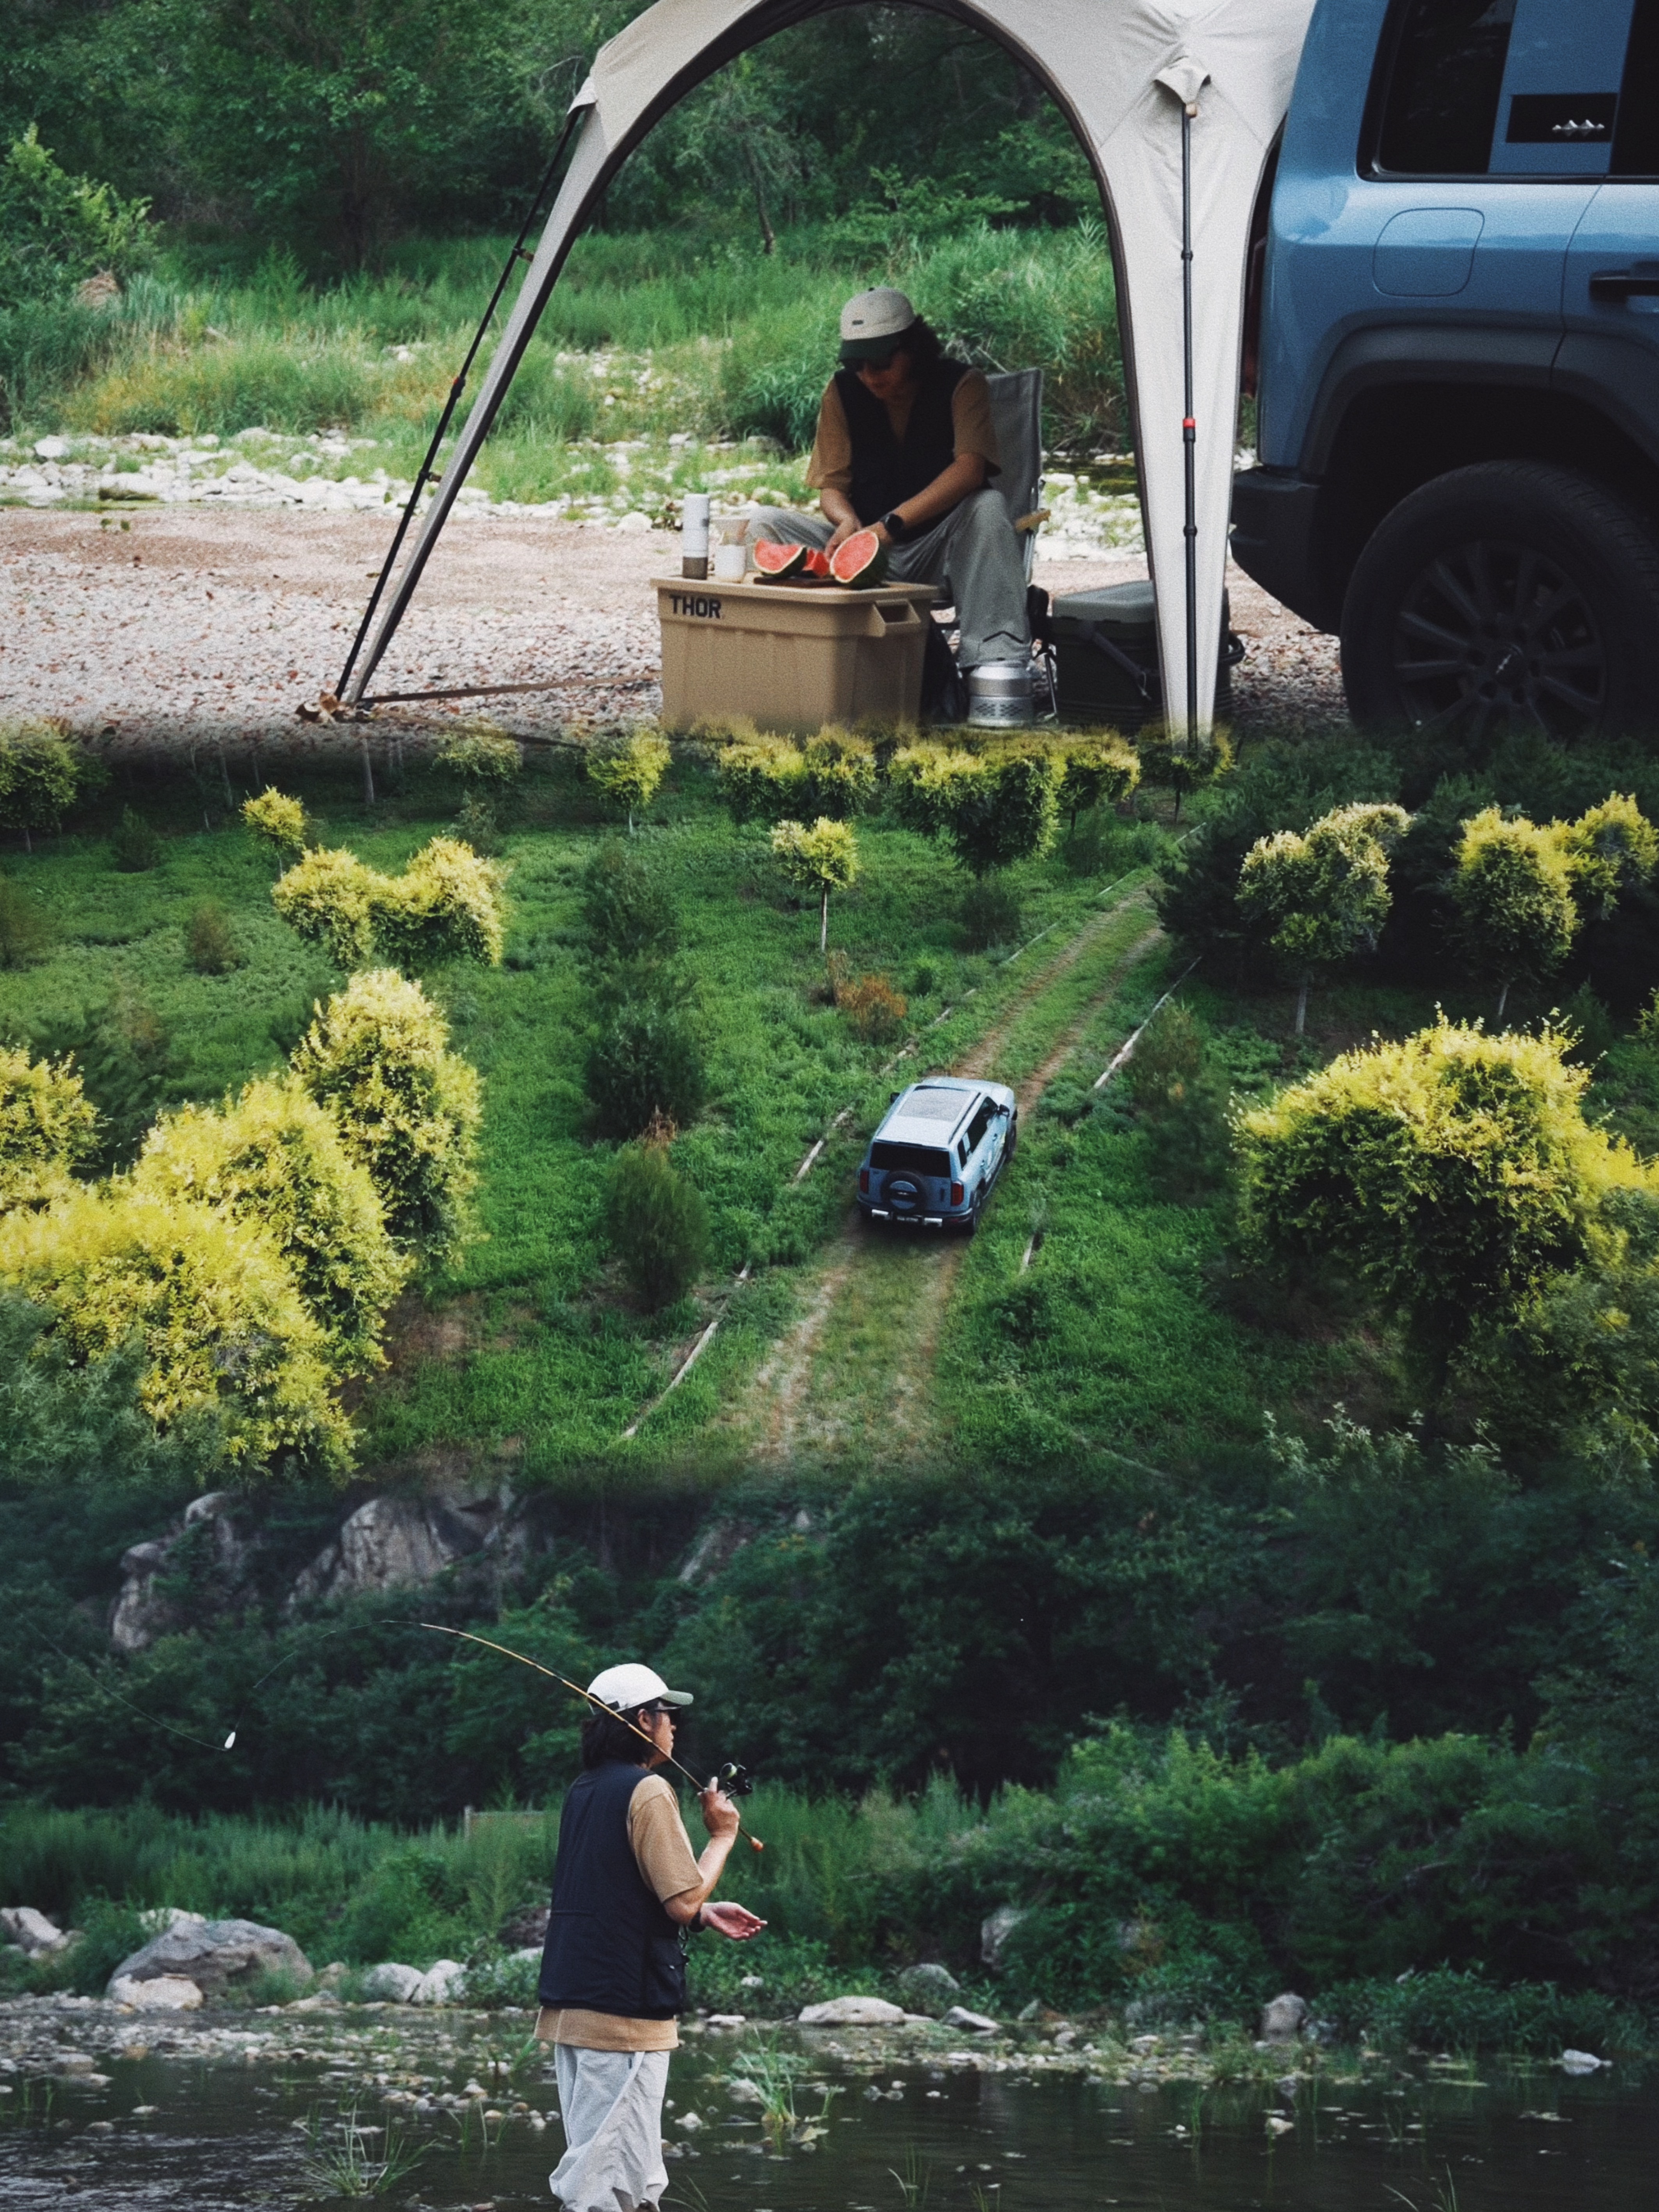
791, 657
1105, 662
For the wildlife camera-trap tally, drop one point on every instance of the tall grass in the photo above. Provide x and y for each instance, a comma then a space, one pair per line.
666, 338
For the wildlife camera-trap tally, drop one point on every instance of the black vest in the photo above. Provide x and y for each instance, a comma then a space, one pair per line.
611, 1946
887, 470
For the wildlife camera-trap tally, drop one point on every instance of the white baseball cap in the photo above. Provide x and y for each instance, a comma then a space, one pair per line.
627, 1687
872, 324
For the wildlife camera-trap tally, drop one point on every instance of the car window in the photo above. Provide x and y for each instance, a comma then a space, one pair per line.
919, 1159
980, 1124
1441, 108
961, 1152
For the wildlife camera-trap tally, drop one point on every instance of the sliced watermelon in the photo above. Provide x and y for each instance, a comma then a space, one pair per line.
818, 564
775, 563
860, 560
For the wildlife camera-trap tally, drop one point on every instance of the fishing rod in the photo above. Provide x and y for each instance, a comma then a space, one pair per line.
598, 1705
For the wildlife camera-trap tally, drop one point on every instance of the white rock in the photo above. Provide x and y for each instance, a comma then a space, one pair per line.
688, 2121
51, 449
441, 1983
975, 2023
31, 1930
392, 1982
1581, 2062
1282, 2018
215, 1954
852, 2012
160, 1993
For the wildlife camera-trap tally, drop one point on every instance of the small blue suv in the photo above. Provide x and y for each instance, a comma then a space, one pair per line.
1453, 322
941, 1145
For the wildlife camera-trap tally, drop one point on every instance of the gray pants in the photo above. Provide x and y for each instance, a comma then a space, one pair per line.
975, 548
610, 2102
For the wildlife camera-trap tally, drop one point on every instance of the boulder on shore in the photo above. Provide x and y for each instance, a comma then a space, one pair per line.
1282, 2018
31, 1931
929, 1988
392, 1983
441, 1983
975, 2023
160, 1993
994, 1932
215, 1955
852, 2012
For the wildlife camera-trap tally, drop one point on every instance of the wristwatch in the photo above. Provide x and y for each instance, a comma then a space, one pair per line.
894, 524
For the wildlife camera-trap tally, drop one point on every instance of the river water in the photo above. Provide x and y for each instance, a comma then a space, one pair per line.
205, 2121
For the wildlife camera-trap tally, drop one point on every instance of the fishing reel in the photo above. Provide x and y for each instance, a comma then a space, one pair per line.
734, 1779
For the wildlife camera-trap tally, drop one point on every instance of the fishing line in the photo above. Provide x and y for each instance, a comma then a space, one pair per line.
155, 1719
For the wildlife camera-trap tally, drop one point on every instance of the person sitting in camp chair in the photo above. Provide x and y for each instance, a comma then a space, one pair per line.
905, 447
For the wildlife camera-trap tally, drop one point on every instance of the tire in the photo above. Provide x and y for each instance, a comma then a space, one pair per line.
971, 1225
1513, 596
1012, 1145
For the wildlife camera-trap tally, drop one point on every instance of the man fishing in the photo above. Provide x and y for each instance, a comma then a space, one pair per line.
627, 1892
905, 446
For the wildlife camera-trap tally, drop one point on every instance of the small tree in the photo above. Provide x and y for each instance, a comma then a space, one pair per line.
1610, 848
1322, 892
377, 1057
821, 860
1512, 885
1170, 764
1454, 1174
629, 916
659, 1223
629, 770
39, 776
330, 898
274, 1159
1096, 768
48, 1128
482, 754
227, 1340
645, 1063
277, 821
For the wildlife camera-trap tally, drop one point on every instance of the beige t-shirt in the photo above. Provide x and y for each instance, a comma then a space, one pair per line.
663, 1853
830, 468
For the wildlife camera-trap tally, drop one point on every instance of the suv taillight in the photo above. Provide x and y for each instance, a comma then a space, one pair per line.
956, 1193
863, 1180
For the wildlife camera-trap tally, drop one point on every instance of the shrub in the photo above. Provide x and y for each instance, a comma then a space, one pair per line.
875, 1011
56, 230
1454, 1173
1167, 763
39, 775
1322, 893
760, 779
659, 1223
446, 905
645, 1062
210, 944
329, 898
226, 1336
990, 913
135, 847
628, 770
278, 821
274, 1159
1097, 769
838, 774
1611, 848
377, 1057
25, 932
477, 825
48, 1128
629, 916
122, 1053
481, 753
823, 859
1179, 1096
996, 807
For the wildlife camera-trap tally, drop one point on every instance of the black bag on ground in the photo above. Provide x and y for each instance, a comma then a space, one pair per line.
1106, 665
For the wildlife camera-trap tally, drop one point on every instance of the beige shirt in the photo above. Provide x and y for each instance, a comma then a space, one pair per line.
830, 468
663, 1853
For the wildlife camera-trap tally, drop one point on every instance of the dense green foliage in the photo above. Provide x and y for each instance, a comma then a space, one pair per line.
1322, 893
659, 1223
48, 1128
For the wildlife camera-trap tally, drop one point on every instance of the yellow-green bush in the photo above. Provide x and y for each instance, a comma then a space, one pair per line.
839, 772
276, 818
225, 1333
1096, 768
761, 779
1512, 887
48, 1125
274, 1159
330, 897
377, 1057
446, 905
481, 753
819, 860
629, 770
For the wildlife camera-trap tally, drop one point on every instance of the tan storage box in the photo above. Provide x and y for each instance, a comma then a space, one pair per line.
790, 657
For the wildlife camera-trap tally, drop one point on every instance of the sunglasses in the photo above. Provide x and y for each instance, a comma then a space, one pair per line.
879, 363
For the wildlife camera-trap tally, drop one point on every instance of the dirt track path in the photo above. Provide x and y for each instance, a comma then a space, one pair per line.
854, 1372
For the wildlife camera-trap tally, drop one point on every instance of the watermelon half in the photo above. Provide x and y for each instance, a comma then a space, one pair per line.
775, 563
860, 560
818, 564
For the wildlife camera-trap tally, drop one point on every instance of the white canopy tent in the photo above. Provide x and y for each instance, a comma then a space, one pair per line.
1123, 72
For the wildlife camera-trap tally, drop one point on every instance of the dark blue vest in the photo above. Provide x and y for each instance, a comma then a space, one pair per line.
887, 472
611, 1946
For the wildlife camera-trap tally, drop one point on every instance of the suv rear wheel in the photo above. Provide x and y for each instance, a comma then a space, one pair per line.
1513, 595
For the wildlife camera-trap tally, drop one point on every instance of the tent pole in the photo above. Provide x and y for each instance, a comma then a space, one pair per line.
1188, 427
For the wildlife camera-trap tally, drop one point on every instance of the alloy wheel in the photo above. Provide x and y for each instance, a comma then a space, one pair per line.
1493, 634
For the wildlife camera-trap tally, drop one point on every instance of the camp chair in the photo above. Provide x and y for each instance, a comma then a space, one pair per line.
1017, 418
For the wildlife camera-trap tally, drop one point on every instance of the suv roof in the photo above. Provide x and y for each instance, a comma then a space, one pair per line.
930, 1113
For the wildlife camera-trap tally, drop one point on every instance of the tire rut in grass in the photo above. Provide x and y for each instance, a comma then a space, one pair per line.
877, 1305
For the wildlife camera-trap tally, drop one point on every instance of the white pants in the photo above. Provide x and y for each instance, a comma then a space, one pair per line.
610, 2102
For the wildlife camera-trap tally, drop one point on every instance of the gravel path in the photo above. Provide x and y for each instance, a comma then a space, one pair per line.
182, 625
